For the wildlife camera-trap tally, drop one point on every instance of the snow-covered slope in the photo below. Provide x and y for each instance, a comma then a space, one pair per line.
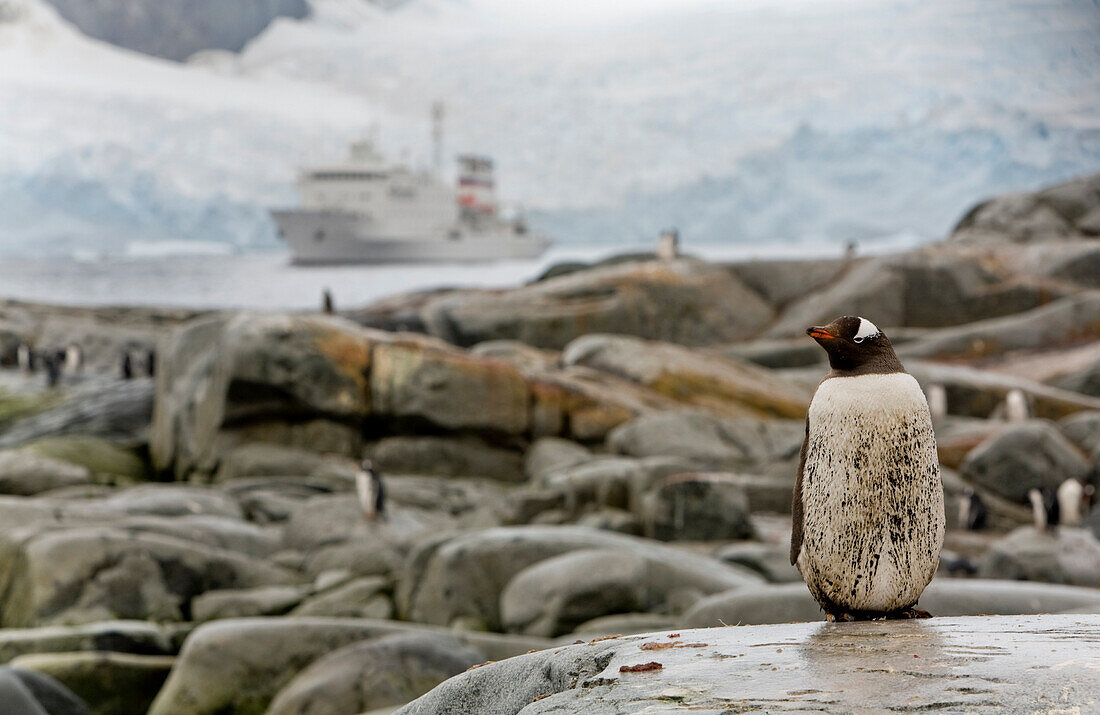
749, 121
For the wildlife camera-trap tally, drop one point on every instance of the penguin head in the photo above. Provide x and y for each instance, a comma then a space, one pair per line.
855, 344
367, 466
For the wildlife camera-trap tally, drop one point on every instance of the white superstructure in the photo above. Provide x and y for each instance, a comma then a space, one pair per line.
364, 210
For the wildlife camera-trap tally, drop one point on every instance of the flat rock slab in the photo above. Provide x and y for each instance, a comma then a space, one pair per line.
1003, 664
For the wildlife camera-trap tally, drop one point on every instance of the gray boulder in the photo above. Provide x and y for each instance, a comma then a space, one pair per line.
709, 440
554, 596
624, 624
782, 281
460, 579
86, 574
359, 598
376, 673
136, 637
274, 460
615, 482
698, 507
632, 298
110, 683
121, 412
1085, 381
1083, 429
170, 500
550, 454
1066, 555
1041, 328
447, 457
25, 692
617, 520
253, 368
1023, 456
241, 603
871, 289
719, 384
239, 666
1057, 213
24, 473
772, 561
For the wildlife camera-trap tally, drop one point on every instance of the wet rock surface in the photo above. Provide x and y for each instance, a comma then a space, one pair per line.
1017, 664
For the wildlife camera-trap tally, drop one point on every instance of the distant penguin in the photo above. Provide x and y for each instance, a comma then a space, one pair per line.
937, 401
53, 370
25, 358
1045, 509
127, 366
74, 359
327, 305
371, 491
868, 511
151, 362
972, 511
1072, 503
1016, 406
957, 565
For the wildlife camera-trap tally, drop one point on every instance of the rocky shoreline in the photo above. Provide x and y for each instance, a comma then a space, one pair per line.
608, 450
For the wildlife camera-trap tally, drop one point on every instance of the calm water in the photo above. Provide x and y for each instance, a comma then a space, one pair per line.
268, 281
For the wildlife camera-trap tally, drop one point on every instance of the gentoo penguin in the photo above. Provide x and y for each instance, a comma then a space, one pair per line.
327, 305
1073, 502
53, 370
1016, 406
127, 366
25, 358
937, 401
1045, 509
74, 359
868, 517
972, 511
372, 494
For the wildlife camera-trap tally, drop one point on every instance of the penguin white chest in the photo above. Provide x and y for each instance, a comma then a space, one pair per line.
872, 499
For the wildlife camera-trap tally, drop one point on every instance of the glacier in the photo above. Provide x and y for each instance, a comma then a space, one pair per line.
799, 121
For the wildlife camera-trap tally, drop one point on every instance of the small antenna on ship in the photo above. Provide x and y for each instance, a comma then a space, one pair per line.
437, 137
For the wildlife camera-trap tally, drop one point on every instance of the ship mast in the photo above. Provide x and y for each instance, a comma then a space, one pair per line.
437, 137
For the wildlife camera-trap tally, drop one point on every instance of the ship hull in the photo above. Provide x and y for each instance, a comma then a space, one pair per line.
326, 237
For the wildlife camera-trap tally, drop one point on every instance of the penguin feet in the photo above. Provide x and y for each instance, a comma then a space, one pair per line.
840, 617
908, 613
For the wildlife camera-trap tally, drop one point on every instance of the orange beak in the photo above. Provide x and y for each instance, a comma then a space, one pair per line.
820, 334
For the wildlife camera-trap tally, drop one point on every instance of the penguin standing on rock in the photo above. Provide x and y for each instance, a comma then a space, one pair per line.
1045, 509
372, 494
868, 512
25, 358
1074, 499
972, 511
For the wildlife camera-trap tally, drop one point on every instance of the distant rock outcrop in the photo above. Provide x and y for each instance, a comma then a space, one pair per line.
176, 30
1065, 211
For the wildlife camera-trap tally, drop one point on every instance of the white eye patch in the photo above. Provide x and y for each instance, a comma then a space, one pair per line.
867, 329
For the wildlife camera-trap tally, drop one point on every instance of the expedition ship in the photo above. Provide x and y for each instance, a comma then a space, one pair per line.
367, 211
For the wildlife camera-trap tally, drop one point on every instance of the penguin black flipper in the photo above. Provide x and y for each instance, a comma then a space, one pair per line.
796, 499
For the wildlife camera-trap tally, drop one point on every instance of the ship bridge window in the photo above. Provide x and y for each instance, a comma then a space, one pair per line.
346, 176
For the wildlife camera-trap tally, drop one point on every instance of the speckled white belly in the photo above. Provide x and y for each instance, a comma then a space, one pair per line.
871, 493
